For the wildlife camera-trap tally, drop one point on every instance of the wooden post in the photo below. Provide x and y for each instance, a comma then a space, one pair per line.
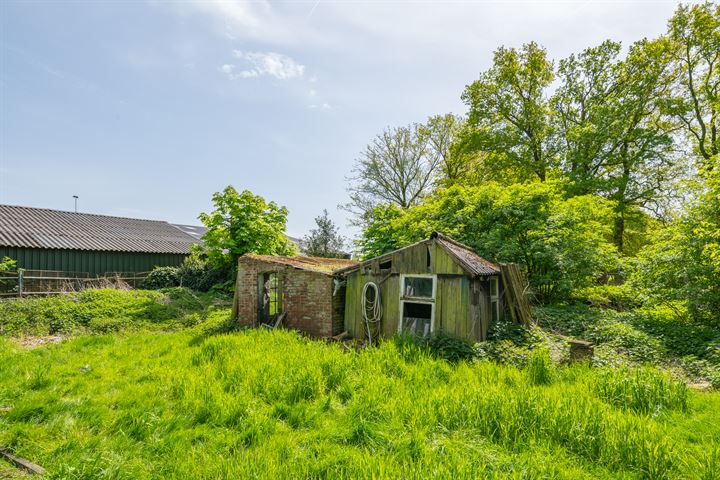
20, 282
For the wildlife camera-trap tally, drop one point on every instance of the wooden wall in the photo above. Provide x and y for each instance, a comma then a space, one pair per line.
462, 304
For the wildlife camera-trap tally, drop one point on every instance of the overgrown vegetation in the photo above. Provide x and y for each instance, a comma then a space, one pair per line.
274, 405
600, 169
103, 311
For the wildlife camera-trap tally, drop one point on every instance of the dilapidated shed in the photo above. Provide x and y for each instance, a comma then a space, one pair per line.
300, 293
435, 284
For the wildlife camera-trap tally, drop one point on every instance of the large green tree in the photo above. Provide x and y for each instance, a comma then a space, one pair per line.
509, 115
562, 244
614, 140
242, 223
694, 34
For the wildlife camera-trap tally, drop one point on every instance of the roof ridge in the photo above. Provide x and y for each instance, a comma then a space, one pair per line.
86, 213
453, 241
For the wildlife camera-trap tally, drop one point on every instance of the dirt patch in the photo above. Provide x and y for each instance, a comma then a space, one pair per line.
34, 342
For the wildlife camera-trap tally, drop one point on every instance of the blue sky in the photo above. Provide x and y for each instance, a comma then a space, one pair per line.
145, 108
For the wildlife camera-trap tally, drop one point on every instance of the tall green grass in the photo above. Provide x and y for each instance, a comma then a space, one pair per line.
264, 404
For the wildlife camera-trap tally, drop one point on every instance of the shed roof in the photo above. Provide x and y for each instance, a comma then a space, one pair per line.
55, 229
463, 255
313, 264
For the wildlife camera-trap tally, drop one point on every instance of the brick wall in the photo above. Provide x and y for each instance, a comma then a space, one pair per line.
307, 297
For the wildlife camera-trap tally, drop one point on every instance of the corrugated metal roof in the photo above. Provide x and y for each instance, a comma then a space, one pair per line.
313, 264
195, 231
55, 229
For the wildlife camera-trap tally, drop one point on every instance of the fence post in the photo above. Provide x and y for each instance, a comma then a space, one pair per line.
20, 281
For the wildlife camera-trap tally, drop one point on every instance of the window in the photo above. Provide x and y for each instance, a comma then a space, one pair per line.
417, 318
417, 304
494, 299
418, 287
386, 265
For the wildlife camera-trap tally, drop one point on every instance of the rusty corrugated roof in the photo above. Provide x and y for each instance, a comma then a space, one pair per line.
313, 264
466, 256
55, 229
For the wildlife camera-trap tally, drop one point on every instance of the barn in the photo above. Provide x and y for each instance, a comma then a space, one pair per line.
301, 293
44, 239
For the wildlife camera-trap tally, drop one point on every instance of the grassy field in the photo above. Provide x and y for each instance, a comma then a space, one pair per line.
169, 392
259, 404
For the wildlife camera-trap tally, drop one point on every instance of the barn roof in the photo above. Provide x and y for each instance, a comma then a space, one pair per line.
463, 255
312, 264
28, 227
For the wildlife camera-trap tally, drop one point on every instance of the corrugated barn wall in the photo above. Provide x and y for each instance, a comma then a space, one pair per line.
93, 262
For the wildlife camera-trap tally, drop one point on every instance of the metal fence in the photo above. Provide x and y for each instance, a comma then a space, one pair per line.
48, 282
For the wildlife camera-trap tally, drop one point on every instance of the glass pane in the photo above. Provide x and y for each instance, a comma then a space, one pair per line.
417, 319
419, 287
494, 287
494, 313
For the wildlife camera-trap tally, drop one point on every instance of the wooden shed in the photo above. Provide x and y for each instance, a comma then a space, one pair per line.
435, 284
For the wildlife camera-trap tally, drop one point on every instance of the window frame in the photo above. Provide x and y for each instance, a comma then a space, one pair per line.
424, 300
495, 281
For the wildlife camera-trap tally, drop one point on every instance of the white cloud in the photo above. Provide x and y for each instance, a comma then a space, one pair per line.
320, 106
259, 64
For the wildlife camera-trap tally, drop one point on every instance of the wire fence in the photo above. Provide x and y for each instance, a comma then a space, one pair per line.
22, 282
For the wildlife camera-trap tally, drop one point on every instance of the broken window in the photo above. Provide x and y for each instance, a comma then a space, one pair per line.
417, 304
386, 265
417, 319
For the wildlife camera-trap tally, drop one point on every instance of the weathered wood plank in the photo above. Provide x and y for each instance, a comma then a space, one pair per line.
22, 463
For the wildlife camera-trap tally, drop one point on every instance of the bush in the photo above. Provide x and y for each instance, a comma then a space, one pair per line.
162, 277
449, 347
195, 273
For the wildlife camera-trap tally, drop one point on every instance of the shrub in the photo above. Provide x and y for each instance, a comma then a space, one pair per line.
450, 347
162, 277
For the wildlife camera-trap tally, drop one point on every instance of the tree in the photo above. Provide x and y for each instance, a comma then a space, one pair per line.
510, 115
243, 223
614, 140
694, 33
441, 132
683, 264
397, 167
562, 244
324, 241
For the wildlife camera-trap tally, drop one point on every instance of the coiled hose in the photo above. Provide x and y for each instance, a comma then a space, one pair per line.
372, 310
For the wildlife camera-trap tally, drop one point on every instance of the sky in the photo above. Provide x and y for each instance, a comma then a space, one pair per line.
146, 108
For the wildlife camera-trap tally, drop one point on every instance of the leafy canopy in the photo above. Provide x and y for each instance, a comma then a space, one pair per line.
562, 243
242, 223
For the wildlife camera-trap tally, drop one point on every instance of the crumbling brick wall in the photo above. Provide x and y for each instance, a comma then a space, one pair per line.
307, 297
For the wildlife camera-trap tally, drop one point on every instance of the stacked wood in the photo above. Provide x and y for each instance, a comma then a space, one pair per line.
515, 292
